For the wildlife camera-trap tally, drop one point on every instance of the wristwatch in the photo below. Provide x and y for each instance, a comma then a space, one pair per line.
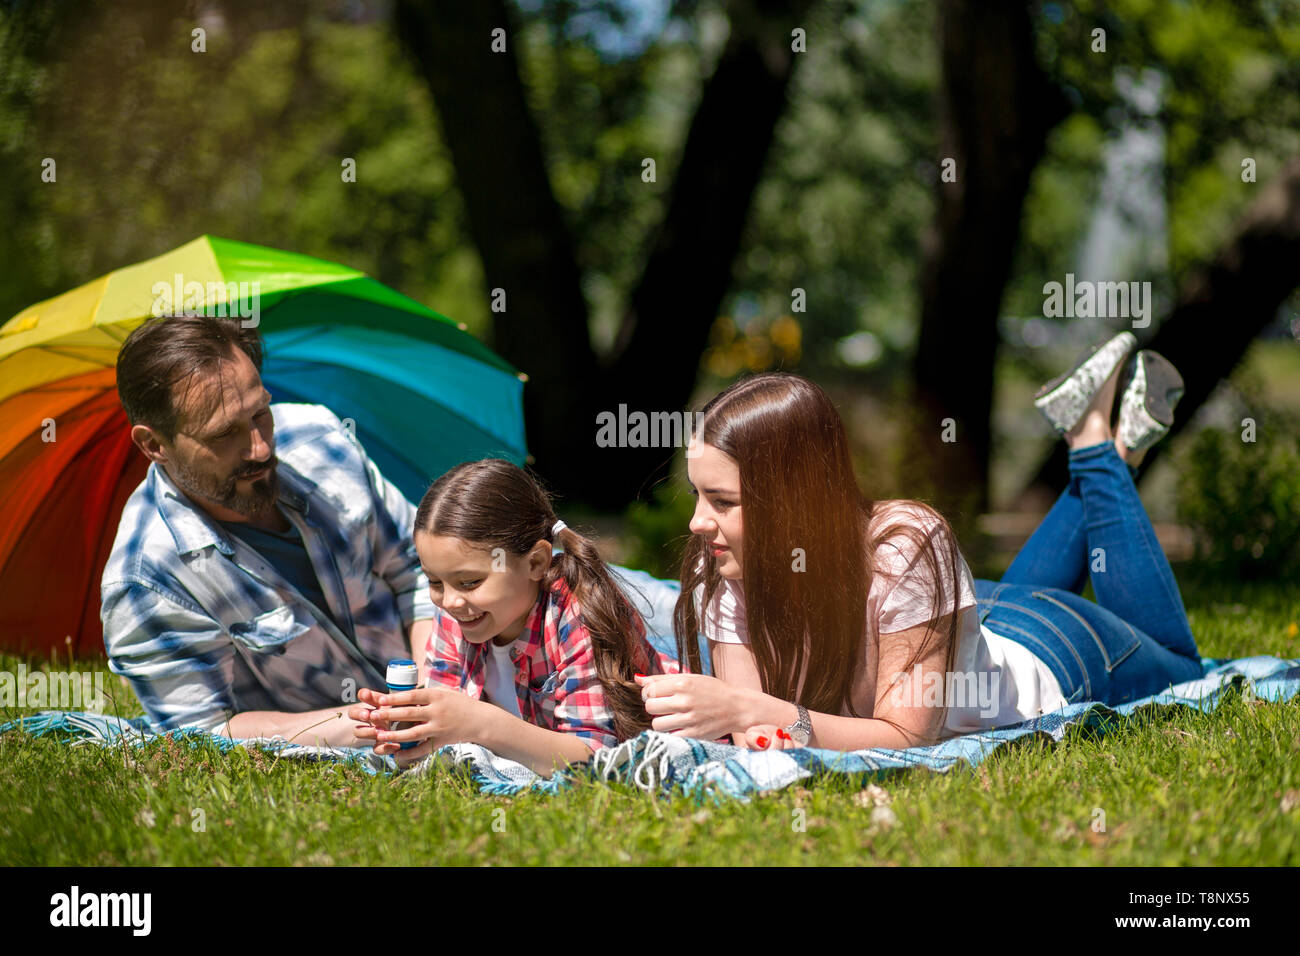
801, 729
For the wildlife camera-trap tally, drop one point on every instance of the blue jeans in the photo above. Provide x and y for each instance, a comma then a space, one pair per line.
656, 599
1135, 641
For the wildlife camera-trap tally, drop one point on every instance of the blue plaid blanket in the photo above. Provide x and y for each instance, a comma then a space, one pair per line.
663, 763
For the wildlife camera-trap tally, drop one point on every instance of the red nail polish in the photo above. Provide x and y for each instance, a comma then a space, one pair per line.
762, 742
640, 675
783, 735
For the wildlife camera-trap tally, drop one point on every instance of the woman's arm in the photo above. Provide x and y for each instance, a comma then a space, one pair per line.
906, 712
734, 664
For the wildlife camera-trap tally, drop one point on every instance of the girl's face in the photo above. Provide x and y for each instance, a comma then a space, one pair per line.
489, 596
715, 481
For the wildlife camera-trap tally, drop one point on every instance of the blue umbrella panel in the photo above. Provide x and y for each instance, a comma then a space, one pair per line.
418, 408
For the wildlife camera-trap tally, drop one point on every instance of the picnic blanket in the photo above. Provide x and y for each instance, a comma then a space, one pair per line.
663, 763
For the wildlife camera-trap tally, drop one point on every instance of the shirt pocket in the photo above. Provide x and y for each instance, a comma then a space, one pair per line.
271, 631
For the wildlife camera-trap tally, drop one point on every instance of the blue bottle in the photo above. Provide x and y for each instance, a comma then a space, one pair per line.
402, 675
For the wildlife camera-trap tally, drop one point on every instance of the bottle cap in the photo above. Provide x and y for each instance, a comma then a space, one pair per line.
402, 673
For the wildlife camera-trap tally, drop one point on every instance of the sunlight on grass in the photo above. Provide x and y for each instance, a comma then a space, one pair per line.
1167, 787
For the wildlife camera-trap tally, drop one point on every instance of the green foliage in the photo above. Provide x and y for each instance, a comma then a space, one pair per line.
245, 140
657, 530
1242, 499
1177, 787
1230, 73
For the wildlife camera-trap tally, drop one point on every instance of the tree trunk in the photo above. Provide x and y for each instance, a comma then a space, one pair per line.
1222, 307
517, 225
514, 219
666, 326
996, 110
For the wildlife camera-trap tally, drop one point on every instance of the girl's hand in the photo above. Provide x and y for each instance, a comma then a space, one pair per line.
438, 716
767, 737
693, 705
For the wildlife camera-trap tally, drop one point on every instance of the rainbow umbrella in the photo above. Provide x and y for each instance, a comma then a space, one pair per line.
420, 393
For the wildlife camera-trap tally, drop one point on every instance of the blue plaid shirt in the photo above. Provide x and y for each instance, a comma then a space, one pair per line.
248, 640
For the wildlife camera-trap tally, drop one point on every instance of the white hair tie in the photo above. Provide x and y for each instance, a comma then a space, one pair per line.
557, 528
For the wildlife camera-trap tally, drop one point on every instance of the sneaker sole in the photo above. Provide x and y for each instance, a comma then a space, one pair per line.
1147, 404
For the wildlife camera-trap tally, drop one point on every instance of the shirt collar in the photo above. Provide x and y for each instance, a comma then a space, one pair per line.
531, 642
192, 528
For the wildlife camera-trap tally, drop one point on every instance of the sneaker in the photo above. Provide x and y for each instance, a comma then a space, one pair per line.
1149, 390
1065, 398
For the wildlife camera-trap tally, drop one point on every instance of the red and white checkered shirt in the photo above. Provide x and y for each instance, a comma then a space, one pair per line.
555, 667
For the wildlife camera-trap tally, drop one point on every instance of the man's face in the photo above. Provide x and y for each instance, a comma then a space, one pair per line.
223, 454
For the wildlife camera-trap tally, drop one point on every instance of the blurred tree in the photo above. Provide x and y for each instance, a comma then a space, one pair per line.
996, 108
528, 250
1231, 75
156, 143
1223, 306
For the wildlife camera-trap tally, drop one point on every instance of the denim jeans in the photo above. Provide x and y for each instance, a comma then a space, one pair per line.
1135, 641
656, 599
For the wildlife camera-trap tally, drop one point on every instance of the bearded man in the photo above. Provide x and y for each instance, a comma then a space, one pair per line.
263, 571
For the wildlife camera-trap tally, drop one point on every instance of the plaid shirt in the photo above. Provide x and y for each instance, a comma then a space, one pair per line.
555, 667
248, 640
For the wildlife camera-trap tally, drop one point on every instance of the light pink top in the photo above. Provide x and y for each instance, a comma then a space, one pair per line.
1004, 682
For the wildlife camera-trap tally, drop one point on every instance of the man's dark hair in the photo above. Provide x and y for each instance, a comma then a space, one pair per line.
164, 352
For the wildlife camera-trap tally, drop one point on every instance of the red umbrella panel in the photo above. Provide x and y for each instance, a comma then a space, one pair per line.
67, 466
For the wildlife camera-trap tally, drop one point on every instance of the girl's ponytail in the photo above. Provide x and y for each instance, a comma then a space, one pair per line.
617, 633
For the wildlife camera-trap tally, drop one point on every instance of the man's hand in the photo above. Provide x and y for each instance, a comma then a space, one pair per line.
327, 727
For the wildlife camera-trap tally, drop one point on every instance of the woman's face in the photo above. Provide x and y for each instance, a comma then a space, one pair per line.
715, 480
490, 596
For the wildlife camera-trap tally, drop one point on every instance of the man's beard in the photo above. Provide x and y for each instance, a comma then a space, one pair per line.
225, 493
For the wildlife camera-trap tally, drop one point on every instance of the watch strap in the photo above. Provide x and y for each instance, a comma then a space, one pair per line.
801, 730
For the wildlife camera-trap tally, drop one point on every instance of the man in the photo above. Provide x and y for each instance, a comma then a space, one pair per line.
263, 571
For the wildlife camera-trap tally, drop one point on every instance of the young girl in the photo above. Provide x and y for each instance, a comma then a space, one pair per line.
838, 622
533, 652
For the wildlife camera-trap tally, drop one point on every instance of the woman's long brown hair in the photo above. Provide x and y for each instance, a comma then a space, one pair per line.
494, 503
798, 491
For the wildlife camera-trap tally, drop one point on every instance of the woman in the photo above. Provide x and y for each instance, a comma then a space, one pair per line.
843, 623
533, 651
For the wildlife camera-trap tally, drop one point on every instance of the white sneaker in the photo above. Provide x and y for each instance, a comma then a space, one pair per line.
1149, 390
1065, 398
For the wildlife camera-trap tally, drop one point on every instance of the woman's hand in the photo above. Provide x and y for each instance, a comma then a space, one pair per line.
767, 737
438, 716
694, 705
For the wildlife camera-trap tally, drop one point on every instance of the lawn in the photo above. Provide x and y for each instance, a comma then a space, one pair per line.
1174, 787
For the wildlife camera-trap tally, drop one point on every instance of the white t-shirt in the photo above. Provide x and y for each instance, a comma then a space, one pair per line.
499, 679
995, 680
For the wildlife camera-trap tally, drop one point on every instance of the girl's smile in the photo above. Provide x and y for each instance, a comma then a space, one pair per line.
488, 593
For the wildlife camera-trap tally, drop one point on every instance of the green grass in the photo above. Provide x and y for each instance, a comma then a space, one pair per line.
1175, 787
